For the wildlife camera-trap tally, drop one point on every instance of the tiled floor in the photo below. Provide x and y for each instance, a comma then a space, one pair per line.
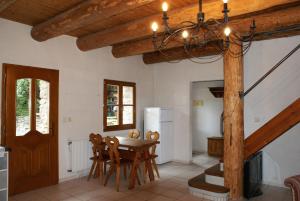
204, 160
171, 186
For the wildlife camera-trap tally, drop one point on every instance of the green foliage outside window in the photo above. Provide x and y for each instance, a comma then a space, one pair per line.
22, 99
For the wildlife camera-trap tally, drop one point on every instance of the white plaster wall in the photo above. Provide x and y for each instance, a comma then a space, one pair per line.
81, 79
172, 86
205, 118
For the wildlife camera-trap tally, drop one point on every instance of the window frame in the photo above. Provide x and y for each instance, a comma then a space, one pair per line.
120, 126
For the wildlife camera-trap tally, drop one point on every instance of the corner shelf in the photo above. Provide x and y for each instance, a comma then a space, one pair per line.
4, 177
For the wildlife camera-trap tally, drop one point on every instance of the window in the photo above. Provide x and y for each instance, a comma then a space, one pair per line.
119, 105
24, 100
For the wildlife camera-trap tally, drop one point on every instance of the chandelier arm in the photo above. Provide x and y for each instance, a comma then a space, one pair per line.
207, 57
188, 22
212, 21
250, 37
218, 57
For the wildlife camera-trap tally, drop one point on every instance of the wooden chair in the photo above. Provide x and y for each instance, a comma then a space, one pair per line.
153, 136
135, 133
99, 158
115, 160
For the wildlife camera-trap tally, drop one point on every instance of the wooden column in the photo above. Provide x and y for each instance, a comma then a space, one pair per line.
233, 122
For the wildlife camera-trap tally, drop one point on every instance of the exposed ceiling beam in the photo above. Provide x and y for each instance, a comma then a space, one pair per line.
179, 53
281, 32
5, 4
81, 15
267, 22
141, 28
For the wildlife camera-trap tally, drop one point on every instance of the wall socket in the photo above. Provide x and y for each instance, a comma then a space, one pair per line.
256, 119
67, 119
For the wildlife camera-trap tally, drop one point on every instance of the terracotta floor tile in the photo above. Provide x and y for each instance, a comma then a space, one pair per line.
173, 185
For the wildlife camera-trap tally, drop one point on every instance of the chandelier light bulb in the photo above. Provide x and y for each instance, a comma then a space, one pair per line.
185, 34
154, 26
165, 6
227, 31
225, 1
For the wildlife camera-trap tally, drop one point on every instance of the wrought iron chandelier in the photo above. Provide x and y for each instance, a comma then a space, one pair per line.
201, 34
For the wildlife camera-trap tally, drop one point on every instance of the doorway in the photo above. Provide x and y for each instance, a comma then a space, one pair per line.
30, 126
206, 113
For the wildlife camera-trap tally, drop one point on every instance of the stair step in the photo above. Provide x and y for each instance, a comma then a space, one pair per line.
214, 180
215, 171
200, 188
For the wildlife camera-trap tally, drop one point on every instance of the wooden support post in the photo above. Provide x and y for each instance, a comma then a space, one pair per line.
5, 4
233, 122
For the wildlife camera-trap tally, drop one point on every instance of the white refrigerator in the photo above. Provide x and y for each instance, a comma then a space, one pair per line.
161, 120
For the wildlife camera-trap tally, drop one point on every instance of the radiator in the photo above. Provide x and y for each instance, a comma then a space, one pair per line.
79, 153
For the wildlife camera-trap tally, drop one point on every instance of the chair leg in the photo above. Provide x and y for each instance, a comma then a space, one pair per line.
141, 172
155, 167
92, 170
118, 170
125, 171
138, 179
96, 172
105, 163
145, 172
110, 172
101, 171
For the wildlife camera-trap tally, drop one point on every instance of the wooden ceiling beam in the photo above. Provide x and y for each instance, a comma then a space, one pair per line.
81, 15
5, 4
179, 53
141, 28
269, 25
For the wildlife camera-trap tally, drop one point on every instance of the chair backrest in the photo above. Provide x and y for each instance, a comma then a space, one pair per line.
97, 145
113, 149
152, 136
135, 133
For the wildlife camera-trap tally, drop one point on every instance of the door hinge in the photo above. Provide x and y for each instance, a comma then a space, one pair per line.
52, 127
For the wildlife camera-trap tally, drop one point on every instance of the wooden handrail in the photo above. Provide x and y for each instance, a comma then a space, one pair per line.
273, 129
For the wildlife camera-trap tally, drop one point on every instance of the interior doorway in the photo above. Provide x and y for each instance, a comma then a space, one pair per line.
30, 126
207, 122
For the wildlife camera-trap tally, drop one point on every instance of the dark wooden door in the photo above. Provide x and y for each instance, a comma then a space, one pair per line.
30, 126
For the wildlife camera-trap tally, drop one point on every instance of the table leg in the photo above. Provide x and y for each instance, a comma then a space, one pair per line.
149, 165
133, 172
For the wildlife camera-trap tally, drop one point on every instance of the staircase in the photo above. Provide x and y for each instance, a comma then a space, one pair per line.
273, 129
210, 184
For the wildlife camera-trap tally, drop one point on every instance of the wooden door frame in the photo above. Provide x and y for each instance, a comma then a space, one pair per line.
54, 117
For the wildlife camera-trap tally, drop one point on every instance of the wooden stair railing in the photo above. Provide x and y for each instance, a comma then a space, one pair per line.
273, 129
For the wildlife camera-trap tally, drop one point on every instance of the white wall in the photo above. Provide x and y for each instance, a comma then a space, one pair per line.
172, 88
81, 79
172, 85
206, 113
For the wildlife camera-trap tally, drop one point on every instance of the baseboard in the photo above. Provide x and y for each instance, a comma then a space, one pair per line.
74, 175
270, 183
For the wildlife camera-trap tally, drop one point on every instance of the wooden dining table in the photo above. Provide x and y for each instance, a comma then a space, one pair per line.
138, 151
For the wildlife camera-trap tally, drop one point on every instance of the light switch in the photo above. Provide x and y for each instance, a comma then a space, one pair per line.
256, 119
